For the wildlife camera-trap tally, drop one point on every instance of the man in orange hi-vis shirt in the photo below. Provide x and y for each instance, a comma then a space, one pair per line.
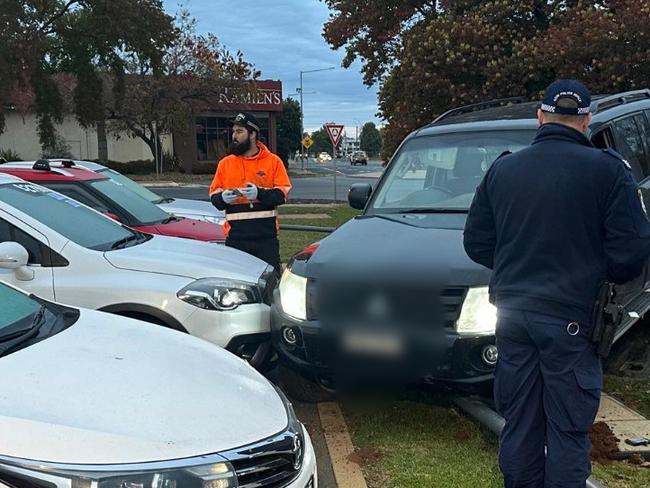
249, 184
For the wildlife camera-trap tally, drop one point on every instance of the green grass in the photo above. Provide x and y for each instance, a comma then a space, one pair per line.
621, 475
632, 392
422, 445
293, 241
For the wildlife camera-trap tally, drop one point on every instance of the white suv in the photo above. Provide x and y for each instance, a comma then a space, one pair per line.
94, 400
62, 250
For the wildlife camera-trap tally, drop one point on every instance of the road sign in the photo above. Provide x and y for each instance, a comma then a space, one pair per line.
307, 141
335, 132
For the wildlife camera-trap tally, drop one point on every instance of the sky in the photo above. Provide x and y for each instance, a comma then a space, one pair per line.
282, 38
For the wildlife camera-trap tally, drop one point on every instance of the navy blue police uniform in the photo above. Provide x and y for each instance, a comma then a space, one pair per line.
553, 221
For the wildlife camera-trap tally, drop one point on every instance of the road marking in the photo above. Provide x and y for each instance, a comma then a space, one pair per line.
339, 445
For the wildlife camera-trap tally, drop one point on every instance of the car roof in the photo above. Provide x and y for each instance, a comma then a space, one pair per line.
58, 162
524, 115
53, 174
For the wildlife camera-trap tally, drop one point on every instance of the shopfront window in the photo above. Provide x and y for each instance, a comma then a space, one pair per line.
213, 136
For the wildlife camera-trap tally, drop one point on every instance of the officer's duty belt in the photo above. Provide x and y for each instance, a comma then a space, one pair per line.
262, 214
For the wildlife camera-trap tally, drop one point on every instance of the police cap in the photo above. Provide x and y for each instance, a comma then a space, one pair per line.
566, 89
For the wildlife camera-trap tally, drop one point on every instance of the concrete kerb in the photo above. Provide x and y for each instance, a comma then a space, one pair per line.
339, 444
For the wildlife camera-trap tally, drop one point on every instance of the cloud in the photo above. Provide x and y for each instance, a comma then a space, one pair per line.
282, 38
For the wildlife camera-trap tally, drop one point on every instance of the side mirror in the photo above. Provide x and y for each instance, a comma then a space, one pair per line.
112, 216
15, 257
359, 194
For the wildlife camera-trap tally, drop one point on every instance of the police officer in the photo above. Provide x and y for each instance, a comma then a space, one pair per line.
553, 221
249, 184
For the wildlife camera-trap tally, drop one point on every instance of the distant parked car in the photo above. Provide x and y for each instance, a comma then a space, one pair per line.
91, 399
59, 249
181, 207
359, 157
106, 194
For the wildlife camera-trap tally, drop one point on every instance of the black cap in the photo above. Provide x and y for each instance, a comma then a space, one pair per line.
247, 120
566, 89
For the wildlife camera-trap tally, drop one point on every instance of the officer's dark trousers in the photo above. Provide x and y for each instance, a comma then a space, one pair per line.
265, 249
547, 387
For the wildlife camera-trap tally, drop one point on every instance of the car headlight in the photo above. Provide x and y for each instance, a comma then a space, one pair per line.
477, 316
218, 294
218, 474
293, 294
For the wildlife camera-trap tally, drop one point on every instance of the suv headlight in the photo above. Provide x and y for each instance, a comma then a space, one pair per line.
218, 294
293, 294
477, 316
219, 474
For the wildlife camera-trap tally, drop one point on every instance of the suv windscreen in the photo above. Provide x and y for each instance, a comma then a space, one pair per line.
64, 215
144, 192
441, 172
145, 212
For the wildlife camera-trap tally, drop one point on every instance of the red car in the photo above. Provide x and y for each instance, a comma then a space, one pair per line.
117, 201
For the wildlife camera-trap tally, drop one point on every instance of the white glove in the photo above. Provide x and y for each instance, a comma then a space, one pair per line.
229, 196
249, 191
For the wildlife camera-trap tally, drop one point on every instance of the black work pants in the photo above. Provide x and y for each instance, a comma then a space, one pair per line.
547, 387
267, 249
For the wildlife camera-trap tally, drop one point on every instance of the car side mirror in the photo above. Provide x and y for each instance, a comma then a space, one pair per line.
359, 194
15, 257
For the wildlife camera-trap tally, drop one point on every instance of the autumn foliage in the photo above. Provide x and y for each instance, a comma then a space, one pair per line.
429, 56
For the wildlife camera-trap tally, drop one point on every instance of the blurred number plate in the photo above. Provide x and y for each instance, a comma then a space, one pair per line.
379, 343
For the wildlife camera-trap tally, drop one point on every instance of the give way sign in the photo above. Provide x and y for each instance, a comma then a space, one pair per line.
335, 132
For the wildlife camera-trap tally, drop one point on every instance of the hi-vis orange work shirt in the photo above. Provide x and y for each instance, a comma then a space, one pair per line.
245, 219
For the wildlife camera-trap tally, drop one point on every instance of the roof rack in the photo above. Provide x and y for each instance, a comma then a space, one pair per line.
42, 164
479, 106
618, 99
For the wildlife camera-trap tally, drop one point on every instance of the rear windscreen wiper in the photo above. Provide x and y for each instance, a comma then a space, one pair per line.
164, 200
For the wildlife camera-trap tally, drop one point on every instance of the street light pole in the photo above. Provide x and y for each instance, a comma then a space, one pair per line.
302, 113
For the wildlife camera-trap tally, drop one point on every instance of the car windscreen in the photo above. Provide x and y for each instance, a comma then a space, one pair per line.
441, 172
16, 307
145, 212
144, 192
64, 215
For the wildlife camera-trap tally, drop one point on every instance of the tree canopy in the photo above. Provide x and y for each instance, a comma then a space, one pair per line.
429, 56
370, 139
288, 129
83, 38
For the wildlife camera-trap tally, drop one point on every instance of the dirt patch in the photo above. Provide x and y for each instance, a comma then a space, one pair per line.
603, 443
461, 435
365, 456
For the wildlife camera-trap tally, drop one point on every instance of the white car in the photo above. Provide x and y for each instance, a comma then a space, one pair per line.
61, 250
181, 207
94, 400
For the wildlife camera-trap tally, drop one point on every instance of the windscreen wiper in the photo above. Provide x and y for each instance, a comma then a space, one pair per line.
123, 242
16, 336
171, 218
433, 210
164, 200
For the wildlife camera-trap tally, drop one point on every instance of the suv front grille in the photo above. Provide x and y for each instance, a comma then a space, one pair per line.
273, 463
451, 300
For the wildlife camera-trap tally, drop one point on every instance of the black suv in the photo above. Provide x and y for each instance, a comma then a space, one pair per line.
395, 282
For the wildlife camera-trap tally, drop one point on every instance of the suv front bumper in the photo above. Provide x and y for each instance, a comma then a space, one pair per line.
456, 359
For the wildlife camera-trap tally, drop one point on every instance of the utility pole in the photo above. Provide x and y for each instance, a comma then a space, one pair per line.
302, 112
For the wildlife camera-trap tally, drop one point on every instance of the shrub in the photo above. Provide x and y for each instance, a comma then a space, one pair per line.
9, 155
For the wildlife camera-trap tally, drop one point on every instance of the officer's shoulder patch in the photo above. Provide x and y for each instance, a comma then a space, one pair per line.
618, 156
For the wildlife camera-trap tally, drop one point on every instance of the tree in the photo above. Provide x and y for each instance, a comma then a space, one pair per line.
429, 56
85, 38
370, 139
196, 70
288, 130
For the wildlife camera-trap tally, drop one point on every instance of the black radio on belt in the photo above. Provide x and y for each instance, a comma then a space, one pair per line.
606, 318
